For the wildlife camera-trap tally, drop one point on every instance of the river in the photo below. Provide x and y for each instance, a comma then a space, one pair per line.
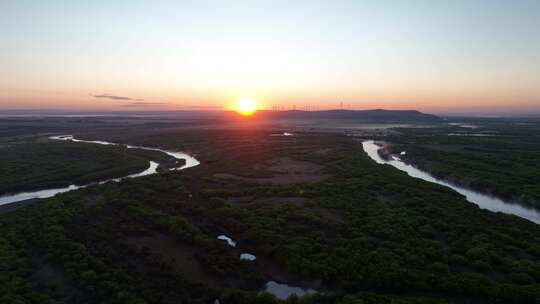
281, 291
482, 200
190, 161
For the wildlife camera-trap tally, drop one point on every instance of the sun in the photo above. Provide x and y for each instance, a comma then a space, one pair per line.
246, 106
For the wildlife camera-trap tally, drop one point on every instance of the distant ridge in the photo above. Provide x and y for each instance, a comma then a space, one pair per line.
368, 116
377, 115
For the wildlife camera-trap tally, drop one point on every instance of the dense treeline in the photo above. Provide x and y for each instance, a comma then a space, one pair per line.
368, 234
496, 158
33, 166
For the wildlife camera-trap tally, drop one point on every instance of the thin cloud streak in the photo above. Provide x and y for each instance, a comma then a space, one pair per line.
173, 105
145, 104
115, 97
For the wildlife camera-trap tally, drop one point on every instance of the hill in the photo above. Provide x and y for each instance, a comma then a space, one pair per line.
378, 115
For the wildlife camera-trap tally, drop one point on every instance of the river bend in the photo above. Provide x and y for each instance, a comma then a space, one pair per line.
482, 200
190, 161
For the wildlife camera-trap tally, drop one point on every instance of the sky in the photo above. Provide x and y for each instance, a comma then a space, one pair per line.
430, 55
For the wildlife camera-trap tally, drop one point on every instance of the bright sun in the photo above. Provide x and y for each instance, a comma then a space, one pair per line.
246, 106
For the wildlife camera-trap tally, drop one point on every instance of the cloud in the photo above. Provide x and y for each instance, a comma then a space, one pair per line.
144, 104
199, 106
114, 97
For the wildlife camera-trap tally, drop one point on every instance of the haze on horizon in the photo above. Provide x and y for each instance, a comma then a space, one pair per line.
434, 56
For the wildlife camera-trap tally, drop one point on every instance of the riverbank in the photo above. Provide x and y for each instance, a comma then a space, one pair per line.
504, 163
54, 164
482, 200
182, 161
440, 169
6, 208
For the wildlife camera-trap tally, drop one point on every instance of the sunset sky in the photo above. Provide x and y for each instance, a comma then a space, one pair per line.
431, 55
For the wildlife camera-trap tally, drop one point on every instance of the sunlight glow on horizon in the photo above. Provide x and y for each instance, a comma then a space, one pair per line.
174, 55
246, 106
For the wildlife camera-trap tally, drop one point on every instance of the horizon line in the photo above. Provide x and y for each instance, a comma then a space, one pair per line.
52, 112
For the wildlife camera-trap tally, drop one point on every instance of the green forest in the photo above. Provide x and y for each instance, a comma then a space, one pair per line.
495, 158
42, 165
365, 234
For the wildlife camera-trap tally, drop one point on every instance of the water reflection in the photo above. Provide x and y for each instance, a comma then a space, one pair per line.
482, 200
284, 291
247, 257
190, 161
229, 241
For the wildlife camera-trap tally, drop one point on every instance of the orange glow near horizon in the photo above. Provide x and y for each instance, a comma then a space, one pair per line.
352, 55
247, 103
246, 106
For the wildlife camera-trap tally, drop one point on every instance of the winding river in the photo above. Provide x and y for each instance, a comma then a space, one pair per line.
190, 161
482, 200
281, 291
